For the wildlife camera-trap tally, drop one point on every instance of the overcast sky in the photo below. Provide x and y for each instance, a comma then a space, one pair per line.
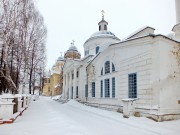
77, 20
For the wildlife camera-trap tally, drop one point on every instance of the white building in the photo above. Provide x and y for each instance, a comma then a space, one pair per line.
144, 67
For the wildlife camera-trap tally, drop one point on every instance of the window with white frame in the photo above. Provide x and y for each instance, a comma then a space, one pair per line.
113, 67
107, 67
102, 71
107, 87
93, 89
113, 87
132, 85
72, 76
77, 74
72, 93
97, 49
101, 88
77, 92
86, 90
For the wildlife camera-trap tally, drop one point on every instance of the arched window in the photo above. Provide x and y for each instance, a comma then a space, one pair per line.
97, 49
102, 71
107, 67
113, 67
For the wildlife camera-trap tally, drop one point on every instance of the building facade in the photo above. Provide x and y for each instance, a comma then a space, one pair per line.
143, 67
53, 80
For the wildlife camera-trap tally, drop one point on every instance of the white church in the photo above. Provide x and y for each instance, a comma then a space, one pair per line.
143, 68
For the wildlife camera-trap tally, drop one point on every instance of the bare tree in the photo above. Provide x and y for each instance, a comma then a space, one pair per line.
23, 33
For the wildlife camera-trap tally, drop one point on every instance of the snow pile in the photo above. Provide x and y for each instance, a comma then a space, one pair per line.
57, 97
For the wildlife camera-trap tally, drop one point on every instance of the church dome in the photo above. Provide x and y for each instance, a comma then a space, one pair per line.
72, 48
103, 31
99, 39
72, 52
60, 58
102, 34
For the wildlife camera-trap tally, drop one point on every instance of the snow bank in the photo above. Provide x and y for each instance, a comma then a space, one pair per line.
57, 97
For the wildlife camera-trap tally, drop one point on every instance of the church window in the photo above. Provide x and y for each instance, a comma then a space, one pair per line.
113, 67
93, 89
107, 67
102, 71
107, 92
76, 91
101, 88
132, 85
72, 76
49, 89
86, 90
99, 27
105, 27
113, 87
97, 49
77, 74
72, 93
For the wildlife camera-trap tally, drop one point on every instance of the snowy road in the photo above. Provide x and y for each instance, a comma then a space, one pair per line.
48, 117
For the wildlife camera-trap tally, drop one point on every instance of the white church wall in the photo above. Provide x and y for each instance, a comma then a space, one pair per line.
127, 59
168, 84
82, 83
138, 60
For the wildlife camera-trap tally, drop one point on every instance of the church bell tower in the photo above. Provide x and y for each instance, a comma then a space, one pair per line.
103, 24
177, 11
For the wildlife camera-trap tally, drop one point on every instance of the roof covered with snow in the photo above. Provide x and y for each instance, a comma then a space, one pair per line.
60, 58
138, 31
102, 34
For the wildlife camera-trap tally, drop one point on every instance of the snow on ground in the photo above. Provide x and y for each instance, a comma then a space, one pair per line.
56, 97
48, 117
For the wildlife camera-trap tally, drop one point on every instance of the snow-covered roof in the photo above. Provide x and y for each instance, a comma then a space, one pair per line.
138, 31
60, 58
72, 48
102, 34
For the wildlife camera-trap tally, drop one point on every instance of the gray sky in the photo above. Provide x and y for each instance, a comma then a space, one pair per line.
77, 20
